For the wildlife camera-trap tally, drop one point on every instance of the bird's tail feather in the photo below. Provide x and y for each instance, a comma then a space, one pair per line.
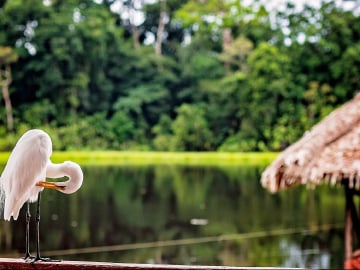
12, 208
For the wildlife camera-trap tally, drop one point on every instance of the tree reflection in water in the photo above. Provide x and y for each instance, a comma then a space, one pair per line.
120, 205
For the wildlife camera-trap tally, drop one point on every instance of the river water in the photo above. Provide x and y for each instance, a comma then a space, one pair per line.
209, 215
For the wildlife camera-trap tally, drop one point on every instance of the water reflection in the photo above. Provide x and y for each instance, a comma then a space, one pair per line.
226, 206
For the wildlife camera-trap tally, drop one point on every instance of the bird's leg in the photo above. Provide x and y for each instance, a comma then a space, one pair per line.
38, 257
28, 216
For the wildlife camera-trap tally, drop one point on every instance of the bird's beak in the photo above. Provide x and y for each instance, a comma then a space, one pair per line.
51, 185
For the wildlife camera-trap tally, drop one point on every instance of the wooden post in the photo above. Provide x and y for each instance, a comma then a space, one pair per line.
352, 223
352, 227
348, 231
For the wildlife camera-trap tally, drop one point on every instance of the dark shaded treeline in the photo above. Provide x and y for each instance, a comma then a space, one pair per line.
193, 75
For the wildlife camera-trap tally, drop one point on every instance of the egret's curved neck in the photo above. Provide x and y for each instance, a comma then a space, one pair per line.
69, 169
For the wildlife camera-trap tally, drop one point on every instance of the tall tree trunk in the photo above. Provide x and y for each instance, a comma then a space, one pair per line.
134, 30
161, 27
5, 81
227, 41
135, 34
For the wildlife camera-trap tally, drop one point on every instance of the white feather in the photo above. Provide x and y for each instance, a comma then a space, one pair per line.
27, 165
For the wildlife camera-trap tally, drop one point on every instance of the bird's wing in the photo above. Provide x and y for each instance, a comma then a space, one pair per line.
26, 166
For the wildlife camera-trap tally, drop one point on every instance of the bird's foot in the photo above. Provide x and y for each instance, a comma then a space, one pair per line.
28, 257
41, 259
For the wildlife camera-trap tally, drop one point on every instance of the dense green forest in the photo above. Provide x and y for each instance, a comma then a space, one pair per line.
177, 75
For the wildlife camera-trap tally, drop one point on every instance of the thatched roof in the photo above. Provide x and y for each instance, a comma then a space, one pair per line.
328, 153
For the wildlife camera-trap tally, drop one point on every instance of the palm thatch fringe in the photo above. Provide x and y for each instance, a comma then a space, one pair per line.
328, 153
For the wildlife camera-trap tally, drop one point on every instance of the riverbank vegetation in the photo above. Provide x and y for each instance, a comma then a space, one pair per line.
127, 158
173, 75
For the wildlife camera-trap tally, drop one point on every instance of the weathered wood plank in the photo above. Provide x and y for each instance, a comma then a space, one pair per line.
19, 264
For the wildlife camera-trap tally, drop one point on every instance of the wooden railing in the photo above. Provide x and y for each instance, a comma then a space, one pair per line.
20, 264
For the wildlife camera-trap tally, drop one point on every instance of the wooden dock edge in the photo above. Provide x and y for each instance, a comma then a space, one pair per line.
20, 264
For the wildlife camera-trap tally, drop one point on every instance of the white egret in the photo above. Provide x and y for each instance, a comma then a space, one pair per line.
24, 177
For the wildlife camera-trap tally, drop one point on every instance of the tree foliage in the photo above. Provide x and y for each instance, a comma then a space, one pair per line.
225, 77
